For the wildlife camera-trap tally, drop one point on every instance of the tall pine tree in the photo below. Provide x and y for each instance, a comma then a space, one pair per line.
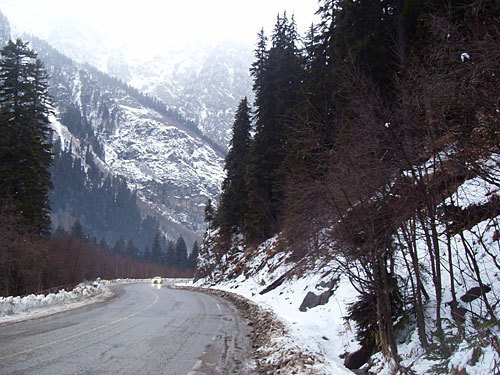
193, 256
170, 257
25, 155
119, 247
277, 76
232, 205
156, 249
181, 253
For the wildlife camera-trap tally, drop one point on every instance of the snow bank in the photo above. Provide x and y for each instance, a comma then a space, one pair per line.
321, 330
34, 306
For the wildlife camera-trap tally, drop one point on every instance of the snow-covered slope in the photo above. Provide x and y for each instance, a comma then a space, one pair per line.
173, 171
204, 83
270, 276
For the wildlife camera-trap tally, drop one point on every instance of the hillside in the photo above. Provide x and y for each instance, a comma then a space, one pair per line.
361, 199
314, 296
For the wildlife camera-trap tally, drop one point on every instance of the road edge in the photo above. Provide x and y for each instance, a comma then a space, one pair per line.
269, 338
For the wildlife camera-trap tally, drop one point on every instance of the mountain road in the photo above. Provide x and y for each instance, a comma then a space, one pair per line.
143, 329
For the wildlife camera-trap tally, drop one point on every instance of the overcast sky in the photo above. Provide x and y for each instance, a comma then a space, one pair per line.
160, 21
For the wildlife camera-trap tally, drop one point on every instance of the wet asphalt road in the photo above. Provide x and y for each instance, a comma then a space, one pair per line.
142, 330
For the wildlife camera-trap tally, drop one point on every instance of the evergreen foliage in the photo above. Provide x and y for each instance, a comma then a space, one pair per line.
210, 214
131, 251
170, 257
347, 131
277, 75
119, 247
105, 206
103, 245
156, 249
77, 230
181, 253
25, 155
193, 256
232, 205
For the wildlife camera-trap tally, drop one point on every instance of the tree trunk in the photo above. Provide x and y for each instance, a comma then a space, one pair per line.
419, 309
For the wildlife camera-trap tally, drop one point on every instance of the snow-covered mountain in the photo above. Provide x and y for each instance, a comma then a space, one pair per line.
205, 85
169, 153
173, 168
202, 82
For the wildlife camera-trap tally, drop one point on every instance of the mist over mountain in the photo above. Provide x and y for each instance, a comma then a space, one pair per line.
353, 218
203, 82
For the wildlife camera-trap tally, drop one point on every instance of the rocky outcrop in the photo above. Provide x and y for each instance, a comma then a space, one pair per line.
312, 300
172, 167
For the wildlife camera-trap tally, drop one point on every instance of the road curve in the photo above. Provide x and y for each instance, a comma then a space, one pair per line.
142, 330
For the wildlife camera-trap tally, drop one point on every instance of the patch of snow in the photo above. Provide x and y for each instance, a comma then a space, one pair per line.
13, 309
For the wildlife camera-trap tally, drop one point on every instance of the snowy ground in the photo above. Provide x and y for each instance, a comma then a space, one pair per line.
13, 309
323, 331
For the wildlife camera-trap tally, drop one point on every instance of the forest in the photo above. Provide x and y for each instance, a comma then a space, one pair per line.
353, 150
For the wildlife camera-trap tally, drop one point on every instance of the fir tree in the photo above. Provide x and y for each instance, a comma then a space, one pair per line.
77, 230
156, 249
59, 232
103, 244
119, 247
210, 215
25, 155
277, 76
181, 253
232, 206
130, 250
170, 257
193, 256
363, 33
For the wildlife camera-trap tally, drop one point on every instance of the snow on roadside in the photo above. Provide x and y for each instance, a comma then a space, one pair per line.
13, 309
321, 331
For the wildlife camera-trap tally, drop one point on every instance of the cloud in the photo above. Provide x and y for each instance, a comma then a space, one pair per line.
158, 22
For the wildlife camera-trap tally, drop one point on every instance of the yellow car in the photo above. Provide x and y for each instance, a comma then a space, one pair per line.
156, 280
